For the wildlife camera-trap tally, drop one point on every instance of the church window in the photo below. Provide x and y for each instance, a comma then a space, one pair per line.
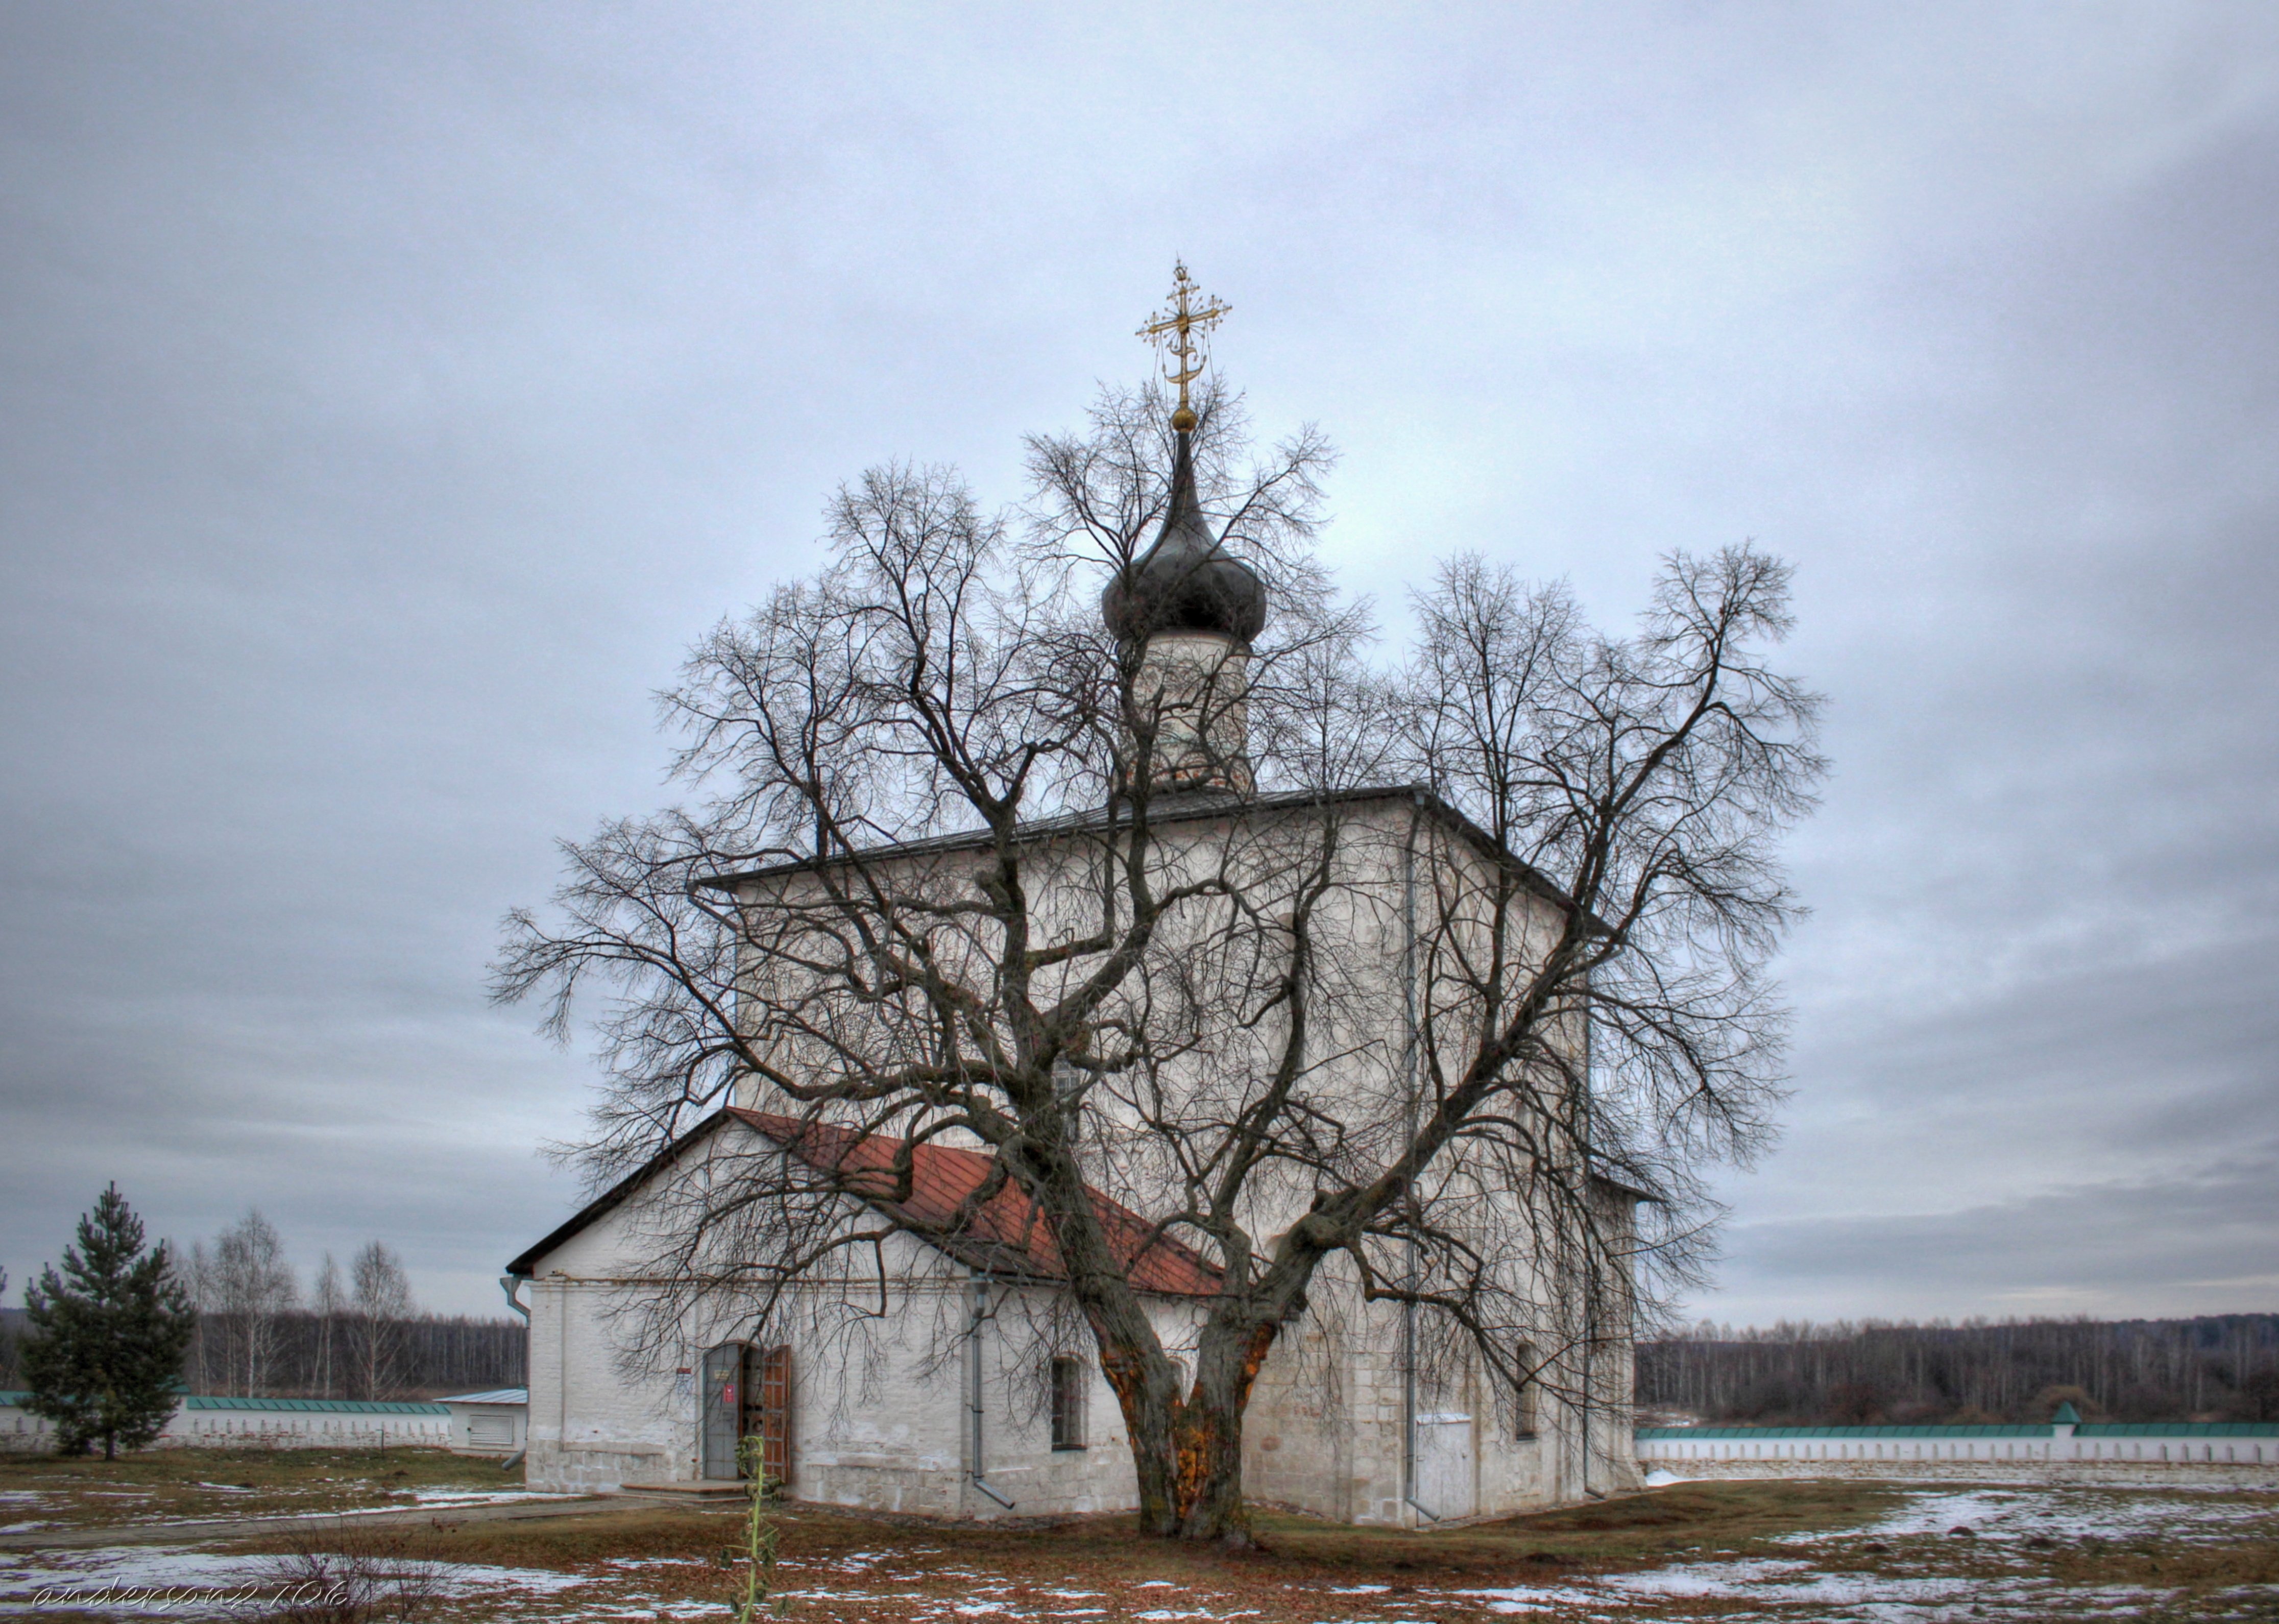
1523, 1360
1068, 1403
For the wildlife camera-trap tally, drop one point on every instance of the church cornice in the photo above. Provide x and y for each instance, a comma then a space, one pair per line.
1163, 810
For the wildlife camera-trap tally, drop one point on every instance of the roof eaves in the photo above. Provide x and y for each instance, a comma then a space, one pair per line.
613, 1197
1606, 1182
1185, 809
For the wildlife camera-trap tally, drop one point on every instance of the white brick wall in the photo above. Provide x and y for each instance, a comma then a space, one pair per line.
346, 1426
883, 1422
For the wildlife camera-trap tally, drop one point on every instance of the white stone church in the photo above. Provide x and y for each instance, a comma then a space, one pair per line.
959, 1389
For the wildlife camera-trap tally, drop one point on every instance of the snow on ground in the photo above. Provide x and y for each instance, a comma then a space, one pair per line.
1812, 1579
177, 1581
1799, 1587
2071, 1514
1793, 1587
633, 1562
25, 1499
479, 1497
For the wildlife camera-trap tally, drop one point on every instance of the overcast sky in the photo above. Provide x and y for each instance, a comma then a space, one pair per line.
389, 394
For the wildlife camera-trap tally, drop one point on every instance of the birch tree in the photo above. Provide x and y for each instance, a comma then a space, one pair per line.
381, 1301
248, 1286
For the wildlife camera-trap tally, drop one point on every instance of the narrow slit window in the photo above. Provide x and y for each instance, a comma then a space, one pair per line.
1523, 1401
1068, 1404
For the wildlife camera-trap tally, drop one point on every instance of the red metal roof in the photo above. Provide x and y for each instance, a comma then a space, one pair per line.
1007, 1233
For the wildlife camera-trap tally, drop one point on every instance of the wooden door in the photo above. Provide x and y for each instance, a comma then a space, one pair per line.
767, 1410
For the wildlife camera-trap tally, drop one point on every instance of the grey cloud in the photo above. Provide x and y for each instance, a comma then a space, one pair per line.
389, 398
2124, 1250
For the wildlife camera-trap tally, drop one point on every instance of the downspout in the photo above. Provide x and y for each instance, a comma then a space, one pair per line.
1590, 1257
977, 1314
1408, 1063
511, 1284
1590, 1334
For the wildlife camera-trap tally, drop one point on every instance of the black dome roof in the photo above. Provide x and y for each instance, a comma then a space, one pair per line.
1185, 582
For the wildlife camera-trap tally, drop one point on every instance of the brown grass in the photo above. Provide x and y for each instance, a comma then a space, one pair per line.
928, 1567
1301, 1559
164, 1485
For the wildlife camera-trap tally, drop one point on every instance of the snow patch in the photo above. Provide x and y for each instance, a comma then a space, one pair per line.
112, 1577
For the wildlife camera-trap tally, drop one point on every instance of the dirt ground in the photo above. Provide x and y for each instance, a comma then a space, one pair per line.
1723, 1550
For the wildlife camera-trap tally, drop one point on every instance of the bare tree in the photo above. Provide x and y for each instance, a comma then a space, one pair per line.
964, 866
381, 1301
328, 1302
205, 1341
247, 1285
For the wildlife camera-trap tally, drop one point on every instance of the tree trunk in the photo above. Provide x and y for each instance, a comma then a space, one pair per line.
1187, 1448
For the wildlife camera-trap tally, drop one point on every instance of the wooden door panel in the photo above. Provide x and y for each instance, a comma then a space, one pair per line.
775, 1414
767, 1410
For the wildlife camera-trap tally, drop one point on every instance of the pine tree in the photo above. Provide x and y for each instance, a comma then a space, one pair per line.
104, 1356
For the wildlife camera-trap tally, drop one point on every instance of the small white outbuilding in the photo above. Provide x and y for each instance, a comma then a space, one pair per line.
493, 1423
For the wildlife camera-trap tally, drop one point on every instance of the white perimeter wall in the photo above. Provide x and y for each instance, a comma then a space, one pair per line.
2181, 1447
258, 1428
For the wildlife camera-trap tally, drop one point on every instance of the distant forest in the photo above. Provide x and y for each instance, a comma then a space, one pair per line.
304, 1355
2222, 1368
419, 1356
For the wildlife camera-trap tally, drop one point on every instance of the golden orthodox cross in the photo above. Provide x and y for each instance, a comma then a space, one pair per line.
1177, 331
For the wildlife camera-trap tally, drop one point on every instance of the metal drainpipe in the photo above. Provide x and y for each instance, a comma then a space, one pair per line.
974, 1411
1591, 1285
511, 1284
561, 1374
1408, 1060
1589, 1332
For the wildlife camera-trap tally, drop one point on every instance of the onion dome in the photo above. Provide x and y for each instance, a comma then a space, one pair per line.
1186, 581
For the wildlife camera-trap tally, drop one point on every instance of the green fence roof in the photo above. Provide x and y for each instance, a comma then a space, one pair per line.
2116, 1429
1769, 1433
324, 1407
327, 1406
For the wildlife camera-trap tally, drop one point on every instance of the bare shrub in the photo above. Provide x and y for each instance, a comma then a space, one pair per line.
354, 1575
